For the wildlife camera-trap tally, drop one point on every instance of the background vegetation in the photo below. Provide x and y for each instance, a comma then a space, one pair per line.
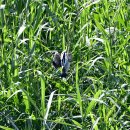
96, 93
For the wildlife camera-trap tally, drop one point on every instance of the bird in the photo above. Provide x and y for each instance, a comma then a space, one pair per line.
62, 60
56, 60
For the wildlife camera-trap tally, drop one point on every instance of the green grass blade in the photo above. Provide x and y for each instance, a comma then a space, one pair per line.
79, 99
42, 96
93, 102
5, 128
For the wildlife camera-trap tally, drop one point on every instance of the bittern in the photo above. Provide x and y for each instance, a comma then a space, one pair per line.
62, 60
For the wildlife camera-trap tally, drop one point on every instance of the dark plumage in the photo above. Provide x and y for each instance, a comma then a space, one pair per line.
63, 75
56, 60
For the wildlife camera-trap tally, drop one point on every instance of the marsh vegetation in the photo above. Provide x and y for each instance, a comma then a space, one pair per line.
96, 92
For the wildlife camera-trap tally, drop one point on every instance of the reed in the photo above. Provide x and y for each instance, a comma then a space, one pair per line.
94, 95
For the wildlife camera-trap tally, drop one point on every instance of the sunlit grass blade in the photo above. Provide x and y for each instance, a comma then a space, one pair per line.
95, 122
5, 128
43, 89
21, 30
48, 106
79, 99
93, 102
77, 124
32, 101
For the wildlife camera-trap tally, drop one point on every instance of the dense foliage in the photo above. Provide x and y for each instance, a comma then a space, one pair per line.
95, 94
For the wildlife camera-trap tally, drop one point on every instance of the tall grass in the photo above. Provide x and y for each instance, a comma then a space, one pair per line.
95, 94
